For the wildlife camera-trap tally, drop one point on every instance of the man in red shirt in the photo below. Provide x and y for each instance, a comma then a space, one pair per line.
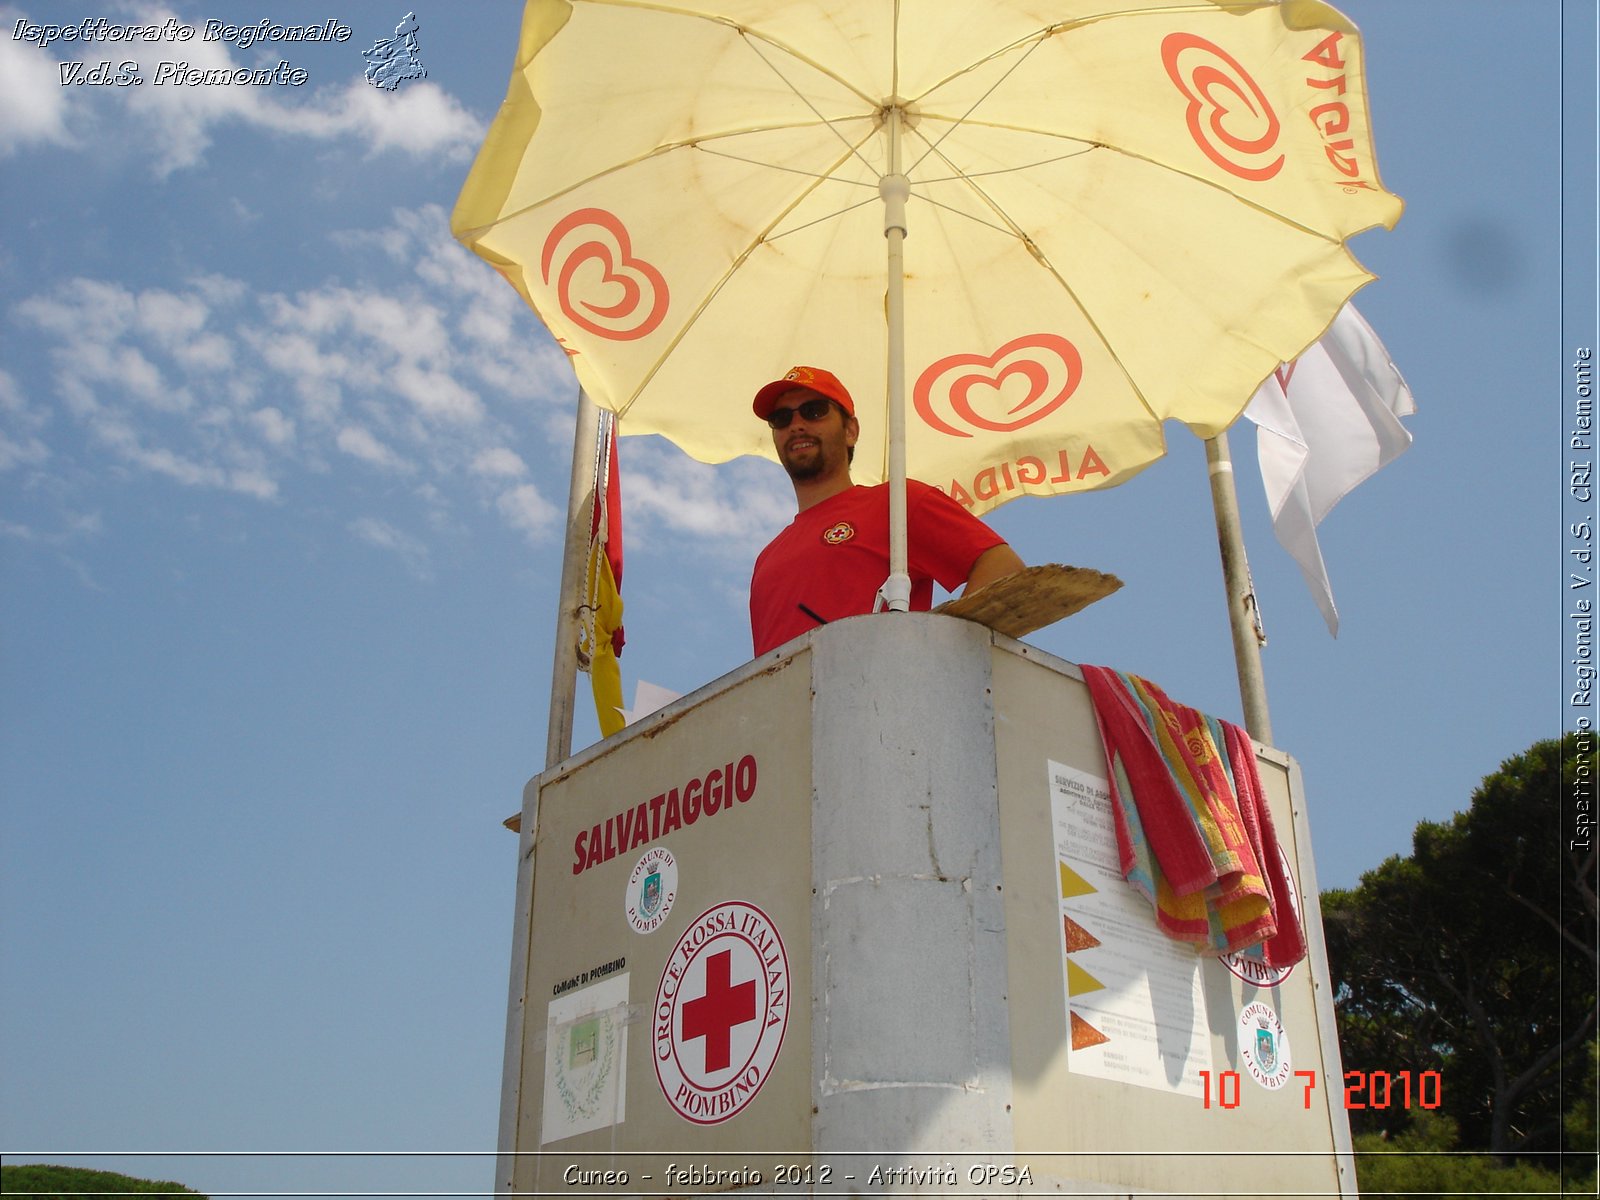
832, 559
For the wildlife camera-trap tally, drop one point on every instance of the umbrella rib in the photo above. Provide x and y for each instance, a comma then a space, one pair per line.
751, 37
747, 33
894, 51
784, 167
957, 174
1038, 39
692, 143
1039, 256
1040, 36
821, 220
1010, 226
759, 239
1009, 230
854, 148
1049, 267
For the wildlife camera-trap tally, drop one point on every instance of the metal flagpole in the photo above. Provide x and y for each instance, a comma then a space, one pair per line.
1243, 614
580, 496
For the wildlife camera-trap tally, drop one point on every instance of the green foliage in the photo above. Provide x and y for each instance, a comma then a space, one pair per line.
43, 1179
1583, 1138
1475, 957
1413, 1164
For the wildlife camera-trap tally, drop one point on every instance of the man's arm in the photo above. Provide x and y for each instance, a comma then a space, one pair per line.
994, 563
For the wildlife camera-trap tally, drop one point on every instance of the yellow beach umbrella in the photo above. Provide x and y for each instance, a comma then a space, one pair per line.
1025, 233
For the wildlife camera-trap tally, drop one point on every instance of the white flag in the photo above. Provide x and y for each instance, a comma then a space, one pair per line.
1325, 422
647, 697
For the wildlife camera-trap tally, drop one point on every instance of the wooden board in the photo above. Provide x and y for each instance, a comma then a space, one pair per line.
1032, 598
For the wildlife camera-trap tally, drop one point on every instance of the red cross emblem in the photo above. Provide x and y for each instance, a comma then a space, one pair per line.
715, 1014
721, 1010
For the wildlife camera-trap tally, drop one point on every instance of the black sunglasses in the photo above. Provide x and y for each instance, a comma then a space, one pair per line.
812, 410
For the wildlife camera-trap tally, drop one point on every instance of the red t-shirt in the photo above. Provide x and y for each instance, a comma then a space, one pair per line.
834, 557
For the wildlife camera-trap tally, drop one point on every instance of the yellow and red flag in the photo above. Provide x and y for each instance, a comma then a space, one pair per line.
600, 638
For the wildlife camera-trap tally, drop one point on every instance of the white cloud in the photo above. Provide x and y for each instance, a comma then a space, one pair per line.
126, 443
493, 334
207, 353
422, 237
82, 309
20, 424
31, 95
739, 505
12, 401
406, 328
75, 526
419, 364
412, 552
420, 121
126, 368
219, 290
272, 425
436, 395
315, 374
359, 443
526, 510
169, 317
23, 451
253, 483
497, 461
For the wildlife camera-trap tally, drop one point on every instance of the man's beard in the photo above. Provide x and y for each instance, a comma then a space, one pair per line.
804, 471
810, 465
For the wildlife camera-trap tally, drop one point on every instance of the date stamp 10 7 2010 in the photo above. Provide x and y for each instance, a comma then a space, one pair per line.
1362, 1089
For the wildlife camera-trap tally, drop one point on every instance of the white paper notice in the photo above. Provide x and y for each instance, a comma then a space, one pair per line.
1135, 1006
585, 1059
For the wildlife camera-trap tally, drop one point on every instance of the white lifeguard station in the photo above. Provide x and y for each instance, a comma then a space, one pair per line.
847, 921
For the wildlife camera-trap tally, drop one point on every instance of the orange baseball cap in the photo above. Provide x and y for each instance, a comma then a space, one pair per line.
824, 383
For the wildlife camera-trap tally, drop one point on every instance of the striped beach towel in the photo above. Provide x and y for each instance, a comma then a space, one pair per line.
1193, 831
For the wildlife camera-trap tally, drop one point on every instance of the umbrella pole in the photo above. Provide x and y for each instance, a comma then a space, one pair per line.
1243, 615
564, 668
895, 189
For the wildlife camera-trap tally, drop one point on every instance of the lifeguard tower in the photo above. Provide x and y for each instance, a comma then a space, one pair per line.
848, 921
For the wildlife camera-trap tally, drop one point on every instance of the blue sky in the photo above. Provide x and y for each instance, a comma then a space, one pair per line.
282, 477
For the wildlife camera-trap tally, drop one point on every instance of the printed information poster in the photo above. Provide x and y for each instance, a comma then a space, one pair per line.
1135, 1006
586, 1058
